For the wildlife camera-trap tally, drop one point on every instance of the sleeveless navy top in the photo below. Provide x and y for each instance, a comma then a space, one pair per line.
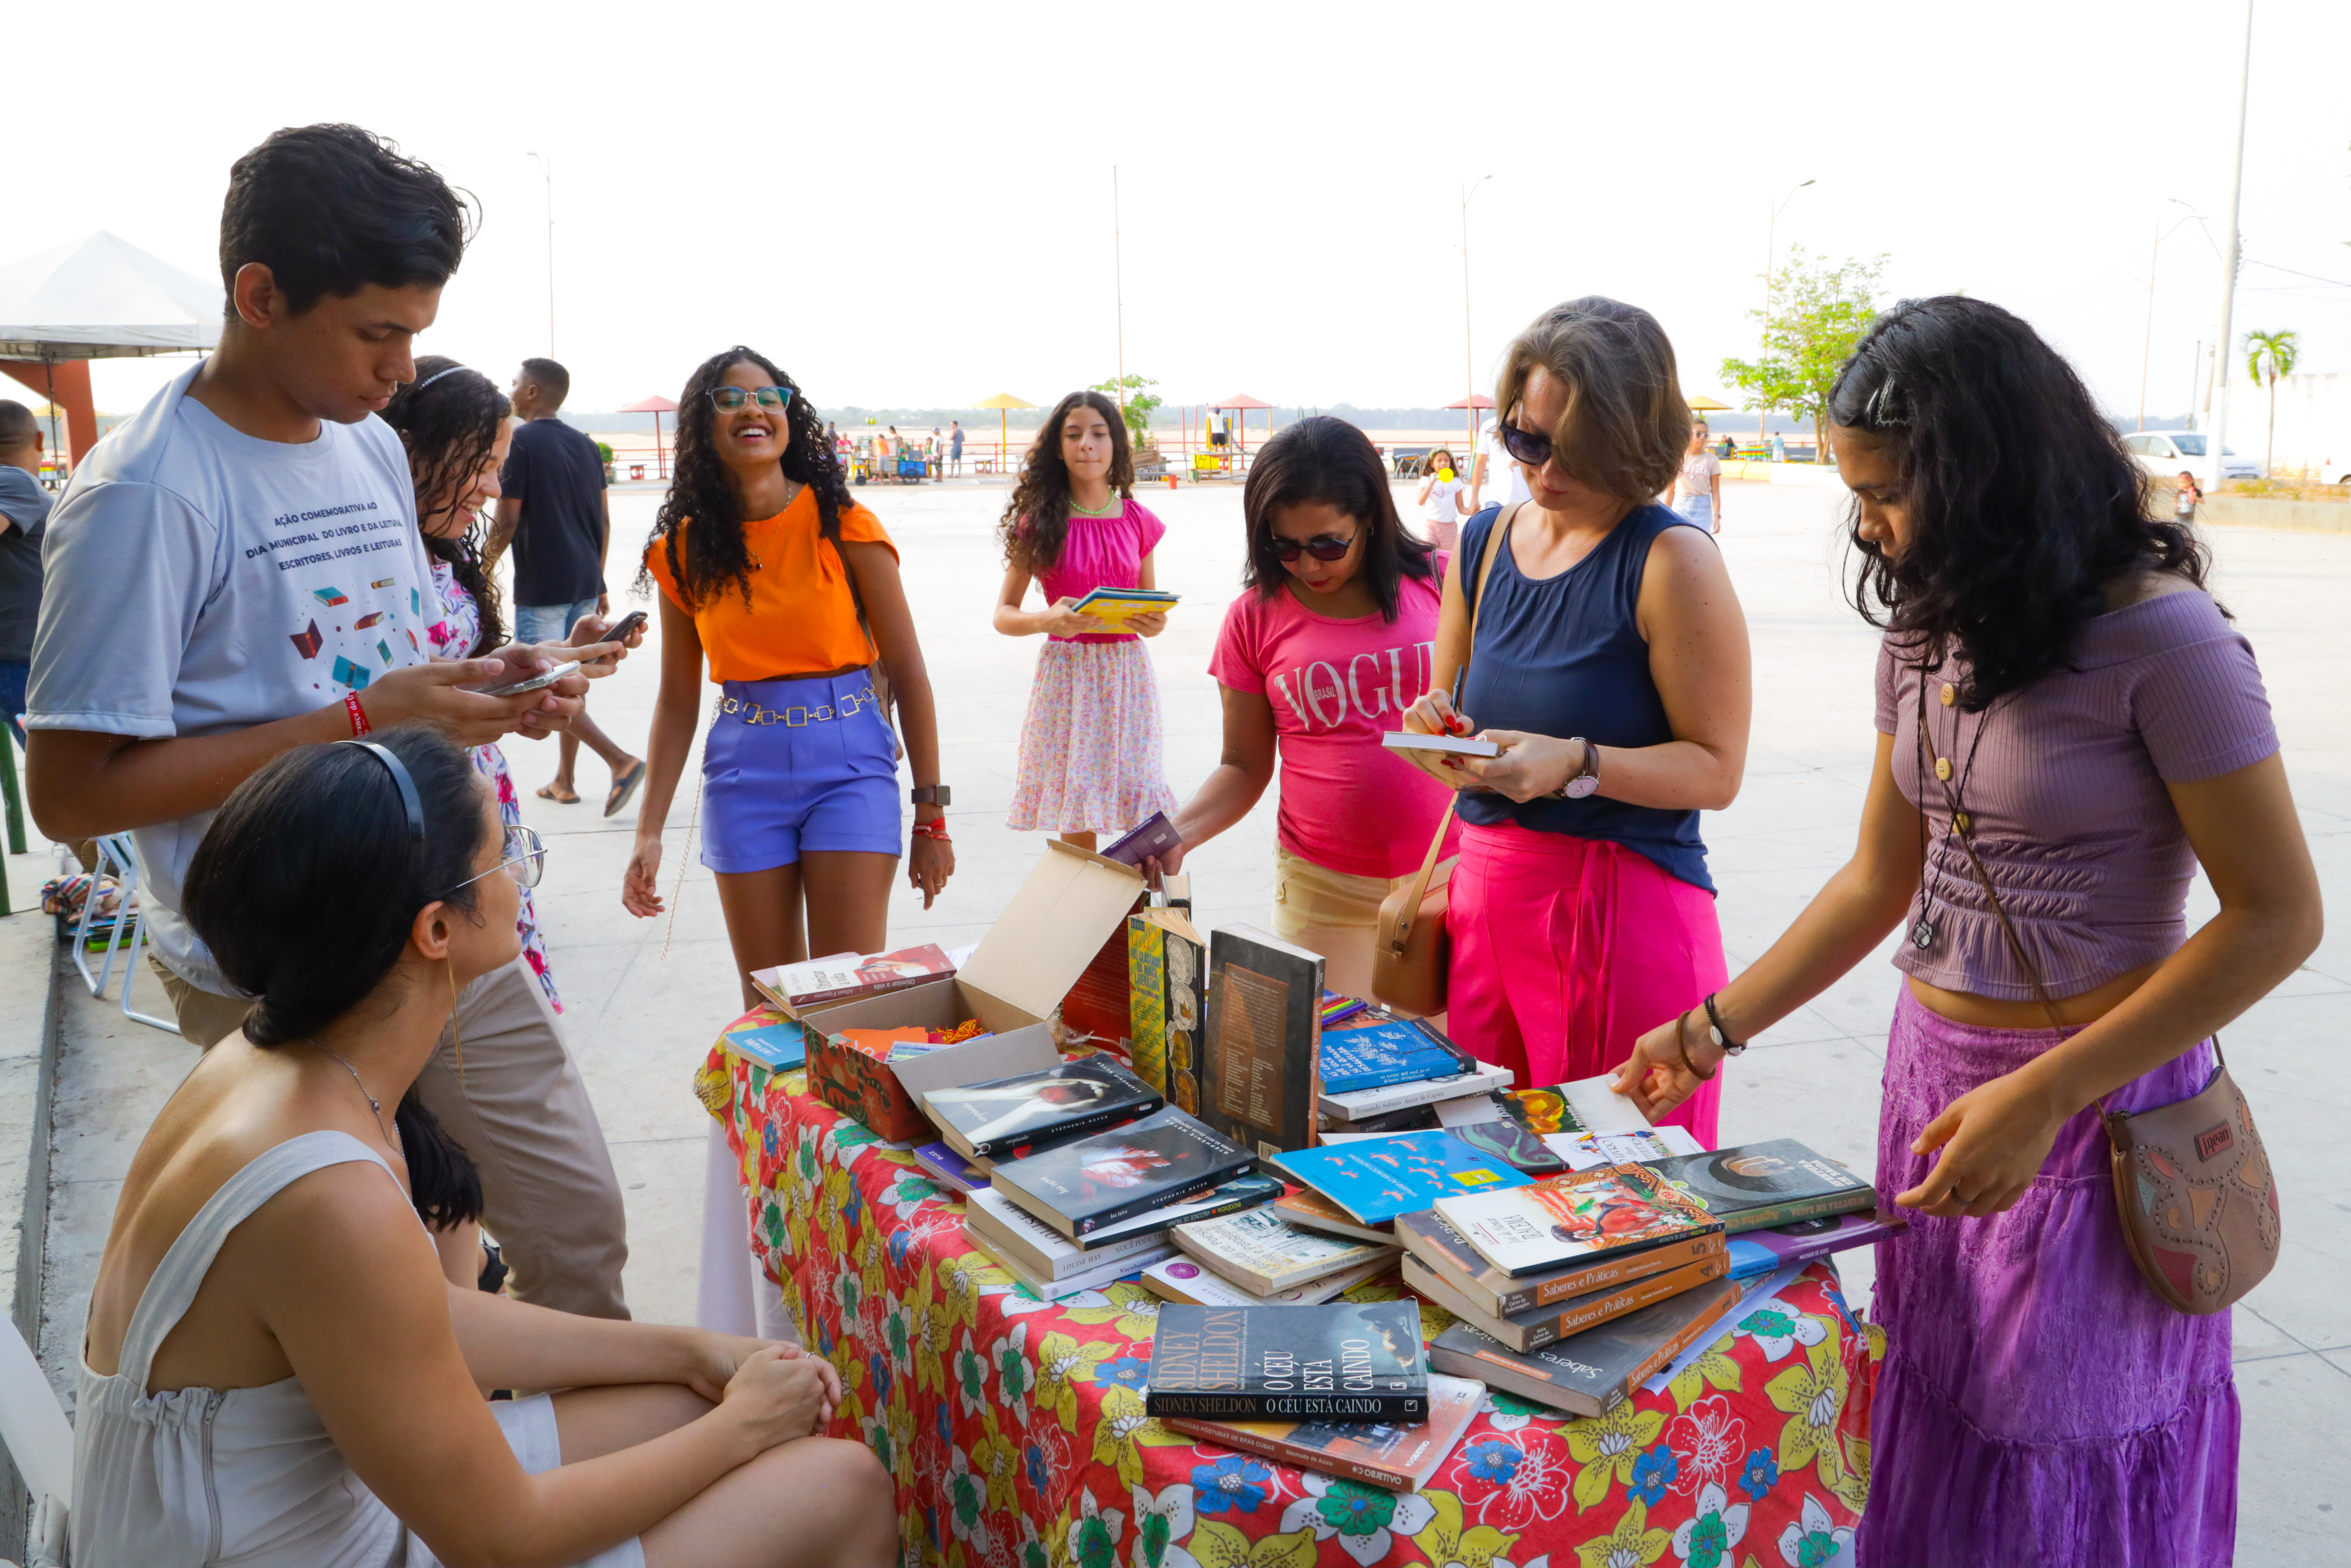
1564, 656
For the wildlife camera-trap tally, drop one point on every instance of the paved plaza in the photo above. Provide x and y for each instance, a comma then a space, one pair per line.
644, 999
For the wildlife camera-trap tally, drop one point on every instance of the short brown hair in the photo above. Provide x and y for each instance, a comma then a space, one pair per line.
1625, 424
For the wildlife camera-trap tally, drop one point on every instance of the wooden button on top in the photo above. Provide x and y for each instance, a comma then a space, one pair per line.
1943, 768
1950, 694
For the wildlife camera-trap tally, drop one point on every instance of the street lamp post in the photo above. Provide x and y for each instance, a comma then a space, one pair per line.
547, 173
2218, 434
1469, 355
1770, 255
2146, 344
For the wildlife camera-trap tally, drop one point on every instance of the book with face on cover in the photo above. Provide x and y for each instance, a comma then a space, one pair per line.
1754, 1186
1394, 1458
993, 1118
1375, 1180
1344, 1361
1264, 1033
1567, 1218
1080, 1187
1597, 1368
1264, 1253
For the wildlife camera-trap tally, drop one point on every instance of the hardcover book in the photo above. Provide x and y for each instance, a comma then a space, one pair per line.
1347, 1361
1310, 1210
1359, 1105
1394, 1458
1597, 1368
1388, 1051
1460, 1267
1567, 1218
994, 1118
1182, 1279
1753, 1186
1562, 1319
1080, 1187
1375, 1180
1757, 1252
1258, 1073
1155, 835
1264, 1253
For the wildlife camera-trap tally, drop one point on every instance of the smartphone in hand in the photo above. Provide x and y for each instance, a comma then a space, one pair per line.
545, 678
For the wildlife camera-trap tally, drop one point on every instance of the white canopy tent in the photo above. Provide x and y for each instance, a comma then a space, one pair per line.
94, 299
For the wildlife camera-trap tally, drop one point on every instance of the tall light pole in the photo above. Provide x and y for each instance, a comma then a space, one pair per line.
2146, 344
1118, 286
547, 173
1469, 355
1771, 258
2219, 432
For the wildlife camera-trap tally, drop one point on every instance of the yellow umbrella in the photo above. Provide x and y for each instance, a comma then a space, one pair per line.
1707, 405
1001, 401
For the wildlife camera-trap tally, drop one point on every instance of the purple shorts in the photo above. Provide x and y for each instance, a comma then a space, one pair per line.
795, 765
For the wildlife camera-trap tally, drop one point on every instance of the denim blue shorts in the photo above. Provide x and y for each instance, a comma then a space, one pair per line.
795, 765
549, 623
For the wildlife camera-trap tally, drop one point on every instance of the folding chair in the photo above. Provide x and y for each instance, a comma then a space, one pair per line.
39, 1439
118, 859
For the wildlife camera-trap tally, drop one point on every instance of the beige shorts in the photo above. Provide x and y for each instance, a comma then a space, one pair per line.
1333, 913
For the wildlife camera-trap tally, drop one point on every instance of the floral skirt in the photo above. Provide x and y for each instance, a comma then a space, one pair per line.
1090, 748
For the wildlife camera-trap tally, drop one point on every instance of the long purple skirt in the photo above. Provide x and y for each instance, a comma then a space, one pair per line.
2038, 1403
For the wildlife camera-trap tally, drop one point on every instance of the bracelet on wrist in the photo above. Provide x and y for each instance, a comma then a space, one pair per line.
1681, 1043
359, 725
936, 828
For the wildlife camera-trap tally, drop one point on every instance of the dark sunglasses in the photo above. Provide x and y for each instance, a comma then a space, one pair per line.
1525, 445
733, 398
1321, 547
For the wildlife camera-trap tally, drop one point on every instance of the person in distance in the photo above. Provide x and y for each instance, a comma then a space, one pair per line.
275, 1372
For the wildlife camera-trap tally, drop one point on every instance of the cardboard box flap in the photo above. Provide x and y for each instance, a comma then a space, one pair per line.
1071, 905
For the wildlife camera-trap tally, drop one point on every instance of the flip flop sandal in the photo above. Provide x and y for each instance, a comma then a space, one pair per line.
550, 792
624, 787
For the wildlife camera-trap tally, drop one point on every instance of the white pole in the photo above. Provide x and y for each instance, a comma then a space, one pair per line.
1118, 286
2219, 432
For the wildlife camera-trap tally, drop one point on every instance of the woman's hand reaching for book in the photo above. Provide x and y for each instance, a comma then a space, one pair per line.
1656, 1077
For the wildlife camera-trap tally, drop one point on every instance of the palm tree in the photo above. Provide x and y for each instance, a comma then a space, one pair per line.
2268, 356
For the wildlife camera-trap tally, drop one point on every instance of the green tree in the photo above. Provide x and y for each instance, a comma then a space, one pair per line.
2268, 356
1813, 316
1137, 402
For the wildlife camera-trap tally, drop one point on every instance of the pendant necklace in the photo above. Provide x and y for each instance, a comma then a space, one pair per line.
373, 1104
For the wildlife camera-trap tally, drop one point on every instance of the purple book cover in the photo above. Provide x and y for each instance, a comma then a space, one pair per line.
1156, 836
1756, 1252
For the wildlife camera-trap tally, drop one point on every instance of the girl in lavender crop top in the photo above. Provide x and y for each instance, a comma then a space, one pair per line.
2066, 797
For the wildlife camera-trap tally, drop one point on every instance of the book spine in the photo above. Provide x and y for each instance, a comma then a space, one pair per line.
1658, 1360
1617, 1302
1144, 1203
1610, 1271
1320, 1461
1082, 1261
1092, 1121
1801, 1209
1238, 1404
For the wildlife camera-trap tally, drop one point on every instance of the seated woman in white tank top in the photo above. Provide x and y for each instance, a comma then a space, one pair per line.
276, 1370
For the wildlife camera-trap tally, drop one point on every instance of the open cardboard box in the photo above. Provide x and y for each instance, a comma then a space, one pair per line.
1070, 904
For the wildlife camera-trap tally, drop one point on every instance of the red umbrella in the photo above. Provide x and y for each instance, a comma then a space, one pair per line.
1473, 403
1243, 401
657, 405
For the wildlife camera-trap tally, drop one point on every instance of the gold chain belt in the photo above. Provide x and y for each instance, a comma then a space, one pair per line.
797, 718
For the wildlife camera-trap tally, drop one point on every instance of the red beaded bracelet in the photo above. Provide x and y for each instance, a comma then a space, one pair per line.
359, 725
936, 828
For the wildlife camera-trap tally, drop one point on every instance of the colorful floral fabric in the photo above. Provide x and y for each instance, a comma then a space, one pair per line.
1015, 1432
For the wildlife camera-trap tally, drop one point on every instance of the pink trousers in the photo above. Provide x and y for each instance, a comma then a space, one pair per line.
1566, 950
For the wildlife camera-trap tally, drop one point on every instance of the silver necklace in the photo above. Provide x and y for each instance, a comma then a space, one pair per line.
373, 1104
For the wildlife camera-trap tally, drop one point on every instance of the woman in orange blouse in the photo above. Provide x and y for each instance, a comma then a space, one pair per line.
790, 589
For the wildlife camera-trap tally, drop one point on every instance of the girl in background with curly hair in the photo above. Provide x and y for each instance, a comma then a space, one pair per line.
789, 591
1090, 756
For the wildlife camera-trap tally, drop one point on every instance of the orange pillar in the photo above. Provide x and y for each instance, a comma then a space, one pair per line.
66, 383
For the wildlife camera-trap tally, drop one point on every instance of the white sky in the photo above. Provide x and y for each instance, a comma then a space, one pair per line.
911, 206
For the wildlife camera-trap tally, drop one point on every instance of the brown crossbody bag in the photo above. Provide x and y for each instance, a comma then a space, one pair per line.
2192, 1183
1410, 957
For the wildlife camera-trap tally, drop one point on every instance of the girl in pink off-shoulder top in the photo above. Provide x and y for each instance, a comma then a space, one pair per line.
2057, 692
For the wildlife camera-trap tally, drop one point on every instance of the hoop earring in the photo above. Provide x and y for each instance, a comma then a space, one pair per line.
455, 1034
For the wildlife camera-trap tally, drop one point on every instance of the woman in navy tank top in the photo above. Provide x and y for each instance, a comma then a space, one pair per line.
1611, 666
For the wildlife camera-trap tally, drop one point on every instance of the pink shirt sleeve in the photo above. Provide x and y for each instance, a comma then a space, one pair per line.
1239, 662
2200, 704
1149, 529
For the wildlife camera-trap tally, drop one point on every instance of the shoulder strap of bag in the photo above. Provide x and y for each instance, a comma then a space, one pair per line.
1494, 540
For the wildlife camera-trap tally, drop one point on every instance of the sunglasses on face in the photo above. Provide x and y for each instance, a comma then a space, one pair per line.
1525, 445
526, 856
1321, 547
733, 398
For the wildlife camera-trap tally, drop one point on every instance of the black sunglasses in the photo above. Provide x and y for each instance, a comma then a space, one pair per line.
1525, 445
1321, 547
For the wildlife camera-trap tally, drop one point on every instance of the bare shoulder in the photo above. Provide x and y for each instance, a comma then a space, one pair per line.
1682, 560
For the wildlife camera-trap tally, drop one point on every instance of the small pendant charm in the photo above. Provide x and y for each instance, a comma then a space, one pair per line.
1922, 936
1962, 821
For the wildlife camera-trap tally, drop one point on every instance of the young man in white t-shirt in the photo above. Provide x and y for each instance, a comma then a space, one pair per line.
236, 571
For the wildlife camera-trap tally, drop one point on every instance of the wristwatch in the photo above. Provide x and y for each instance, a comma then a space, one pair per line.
932, 795
1585, 782
1715, 1032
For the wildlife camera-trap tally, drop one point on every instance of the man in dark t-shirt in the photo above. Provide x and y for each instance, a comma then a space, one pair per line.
553, 507
23, 511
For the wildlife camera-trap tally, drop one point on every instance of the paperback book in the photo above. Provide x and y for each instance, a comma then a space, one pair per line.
1080, 1187
1583, 1151
1541, 1326
1389, 1051
1167, 973
993, 1118
1565, 1220
778, 1047
1469, 1110
1768, 1250
1108, 1274
1346, 1361
1394, 1458
950, 1170
1154, 836
1507, 1139
1116, 607
843, 976
1462, 1268
1182, 1279
1013, 1233
1361, 1104
1375, 1180
1310, 1210
1597, 1369
1586, 1105
1258, 1073
1754, 1186
1262, 1252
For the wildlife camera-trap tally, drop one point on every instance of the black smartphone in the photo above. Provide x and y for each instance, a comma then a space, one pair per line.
619, 631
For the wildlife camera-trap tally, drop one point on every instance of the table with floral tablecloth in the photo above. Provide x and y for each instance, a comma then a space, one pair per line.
1015, 1428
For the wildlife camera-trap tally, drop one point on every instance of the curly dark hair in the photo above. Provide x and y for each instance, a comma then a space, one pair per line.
448, 418
713, 557
1328, 460
2024, 503
1036, 521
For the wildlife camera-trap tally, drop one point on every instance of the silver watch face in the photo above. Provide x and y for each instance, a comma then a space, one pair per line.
1578, 788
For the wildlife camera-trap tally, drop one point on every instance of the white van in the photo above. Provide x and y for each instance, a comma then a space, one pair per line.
2164, 453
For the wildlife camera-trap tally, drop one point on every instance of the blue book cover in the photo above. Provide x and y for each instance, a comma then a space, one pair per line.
777, 1045
1379, 1054
1375, 1180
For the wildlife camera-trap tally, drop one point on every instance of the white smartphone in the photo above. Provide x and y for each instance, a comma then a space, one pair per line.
1459, 744
546, 678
